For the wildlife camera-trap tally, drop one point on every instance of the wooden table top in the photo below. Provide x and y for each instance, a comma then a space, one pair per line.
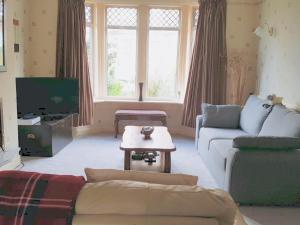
160, 140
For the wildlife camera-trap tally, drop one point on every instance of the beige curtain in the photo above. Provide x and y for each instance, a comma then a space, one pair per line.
207, 76
71, 54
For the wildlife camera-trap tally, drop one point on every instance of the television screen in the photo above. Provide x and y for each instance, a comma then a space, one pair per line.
47, 96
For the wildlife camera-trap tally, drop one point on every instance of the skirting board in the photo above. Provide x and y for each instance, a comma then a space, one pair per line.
13, 164
90, 130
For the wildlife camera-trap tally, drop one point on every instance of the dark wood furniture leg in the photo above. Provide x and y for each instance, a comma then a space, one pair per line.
127, 155
164, 122
116, 128
167, 162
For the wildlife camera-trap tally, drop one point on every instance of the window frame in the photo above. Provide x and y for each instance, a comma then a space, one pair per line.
142, 49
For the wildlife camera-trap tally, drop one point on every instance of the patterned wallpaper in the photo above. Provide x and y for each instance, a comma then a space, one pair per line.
242, 44
243, 18
40, 46
18, 8
278, 61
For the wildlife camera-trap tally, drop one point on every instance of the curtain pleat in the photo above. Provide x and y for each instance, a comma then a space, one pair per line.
207, 75
71, 54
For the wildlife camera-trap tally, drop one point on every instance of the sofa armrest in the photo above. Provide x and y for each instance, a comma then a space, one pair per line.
199, 120
263, 177
254, 143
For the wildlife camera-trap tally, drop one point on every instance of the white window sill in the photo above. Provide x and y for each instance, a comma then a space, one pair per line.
179, 102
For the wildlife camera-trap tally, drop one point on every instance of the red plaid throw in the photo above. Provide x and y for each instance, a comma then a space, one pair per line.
37, 199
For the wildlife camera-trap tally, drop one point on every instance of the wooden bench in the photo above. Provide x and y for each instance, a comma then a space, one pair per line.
138, 115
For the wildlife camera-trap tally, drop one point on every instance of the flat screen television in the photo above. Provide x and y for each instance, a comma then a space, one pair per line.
47, 96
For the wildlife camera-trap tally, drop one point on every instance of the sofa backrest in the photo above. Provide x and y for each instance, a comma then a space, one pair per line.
281, 122
143, 199
254, 114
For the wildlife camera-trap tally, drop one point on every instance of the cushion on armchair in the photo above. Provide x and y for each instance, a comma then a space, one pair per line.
99, 175
254, 114
143, 199
266, 142
221, 116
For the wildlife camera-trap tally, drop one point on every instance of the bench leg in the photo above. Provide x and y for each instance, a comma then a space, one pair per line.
167, 162
127, 155
164, 122
116, 128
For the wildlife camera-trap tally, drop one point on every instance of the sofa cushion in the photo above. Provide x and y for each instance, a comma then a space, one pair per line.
144, 199
266, 142
218, 133
254, 114
209, 134
99, 175
281, 122
221, 116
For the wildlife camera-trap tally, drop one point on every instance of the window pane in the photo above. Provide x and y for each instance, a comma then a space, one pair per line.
125, 17
90, 39
121, 52
195, 18
162, 63
88, 14
163, 52
164, 18
89, 45
194, 29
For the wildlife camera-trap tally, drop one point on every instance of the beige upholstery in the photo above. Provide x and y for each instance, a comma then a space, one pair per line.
140, 220
144, 199
99, 175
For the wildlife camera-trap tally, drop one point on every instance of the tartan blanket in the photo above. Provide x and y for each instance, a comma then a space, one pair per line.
37, 199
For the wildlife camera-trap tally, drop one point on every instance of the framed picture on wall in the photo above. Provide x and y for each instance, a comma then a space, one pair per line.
2, 37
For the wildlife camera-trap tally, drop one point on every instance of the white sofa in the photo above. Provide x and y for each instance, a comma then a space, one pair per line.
121, 202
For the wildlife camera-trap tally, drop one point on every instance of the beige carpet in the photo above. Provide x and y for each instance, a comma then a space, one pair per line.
103, 152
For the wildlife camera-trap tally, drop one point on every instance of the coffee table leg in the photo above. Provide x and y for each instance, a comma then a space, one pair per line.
167, 162
127, 155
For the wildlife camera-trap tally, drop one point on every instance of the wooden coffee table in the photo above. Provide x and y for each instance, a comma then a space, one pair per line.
160, 141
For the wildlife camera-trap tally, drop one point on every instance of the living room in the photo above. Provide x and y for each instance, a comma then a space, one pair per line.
148, 58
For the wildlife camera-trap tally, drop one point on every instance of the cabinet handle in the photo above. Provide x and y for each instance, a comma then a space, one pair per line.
31, 136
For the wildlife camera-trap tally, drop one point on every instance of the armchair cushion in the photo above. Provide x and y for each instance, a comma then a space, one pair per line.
266, 142
99, 175
143, 199
221, 116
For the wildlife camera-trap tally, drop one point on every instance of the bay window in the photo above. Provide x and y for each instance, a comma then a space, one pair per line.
131, 44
